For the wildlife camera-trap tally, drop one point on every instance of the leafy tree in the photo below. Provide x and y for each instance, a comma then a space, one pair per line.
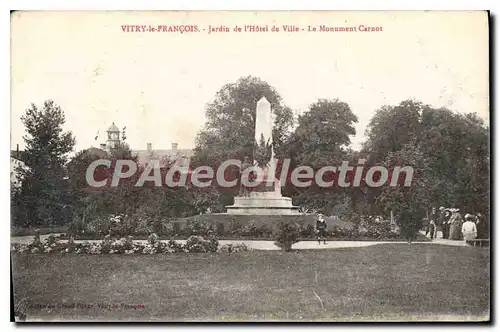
409, 203
322, 138
457, 147
392, 127
121, 151
44, 190
454, 146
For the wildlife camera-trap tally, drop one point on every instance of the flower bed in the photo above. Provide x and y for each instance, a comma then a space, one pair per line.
127, 246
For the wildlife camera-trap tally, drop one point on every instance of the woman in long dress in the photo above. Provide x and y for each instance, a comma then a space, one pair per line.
456, 225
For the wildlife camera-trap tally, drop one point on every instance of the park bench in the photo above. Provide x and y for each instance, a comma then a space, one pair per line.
479, 242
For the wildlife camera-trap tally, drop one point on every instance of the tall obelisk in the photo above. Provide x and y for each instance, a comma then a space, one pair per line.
263, 121
264, 129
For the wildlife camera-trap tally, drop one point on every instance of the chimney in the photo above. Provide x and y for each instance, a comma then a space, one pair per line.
103, 146
150, 147
17, 151
174, 148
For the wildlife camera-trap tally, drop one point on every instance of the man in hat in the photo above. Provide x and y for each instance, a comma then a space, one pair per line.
321, 228
441, 221
433, 223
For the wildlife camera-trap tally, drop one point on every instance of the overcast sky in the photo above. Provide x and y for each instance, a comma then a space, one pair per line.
157, 84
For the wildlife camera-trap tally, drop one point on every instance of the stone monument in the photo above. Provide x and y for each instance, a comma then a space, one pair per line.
266, 198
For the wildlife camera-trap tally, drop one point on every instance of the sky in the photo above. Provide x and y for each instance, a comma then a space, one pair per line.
158, 83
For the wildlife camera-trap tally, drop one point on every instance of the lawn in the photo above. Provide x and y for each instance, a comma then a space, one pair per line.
380, 282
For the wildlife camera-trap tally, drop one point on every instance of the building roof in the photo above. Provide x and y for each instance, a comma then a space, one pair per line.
19, 155
113, 128
143, 156
100, 153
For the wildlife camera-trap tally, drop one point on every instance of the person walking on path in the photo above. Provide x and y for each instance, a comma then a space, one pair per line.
321, 229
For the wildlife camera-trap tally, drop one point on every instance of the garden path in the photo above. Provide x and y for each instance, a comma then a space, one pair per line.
269, 245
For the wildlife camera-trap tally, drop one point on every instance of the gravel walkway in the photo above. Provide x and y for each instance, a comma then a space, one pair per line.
269, 245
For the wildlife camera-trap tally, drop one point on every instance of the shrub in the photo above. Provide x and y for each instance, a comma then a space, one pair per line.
153, 239
88, 248
174, 246
106, 244
198, 244
195, 244
266, 231
129, 242
168, 229
212, 245
234, 227
177, 228
144, 227
77, 226
252, 229
99, 226
219, 228
234, 248
307, 231
51, 239
286, 234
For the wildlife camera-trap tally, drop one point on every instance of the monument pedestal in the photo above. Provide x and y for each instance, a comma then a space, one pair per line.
262, 203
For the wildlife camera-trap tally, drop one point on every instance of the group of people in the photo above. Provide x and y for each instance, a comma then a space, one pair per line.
455, 227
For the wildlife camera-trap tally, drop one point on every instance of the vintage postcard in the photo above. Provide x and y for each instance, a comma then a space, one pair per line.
240, 166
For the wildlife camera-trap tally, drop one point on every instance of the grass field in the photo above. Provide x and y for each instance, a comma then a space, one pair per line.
381, 282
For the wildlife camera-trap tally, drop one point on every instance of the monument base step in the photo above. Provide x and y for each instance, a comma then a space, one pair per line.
262, 211
270, 205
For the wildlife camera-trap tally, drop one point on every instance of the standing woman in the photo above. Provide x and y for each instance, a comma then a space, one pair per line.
482, 227
446, 223
455, 225
469, 229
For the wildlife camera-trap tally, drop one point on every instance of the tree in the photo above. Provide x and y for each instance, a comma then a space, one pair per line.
392, 127
409, 203
455, 147
322, 138
44, 190
121, 151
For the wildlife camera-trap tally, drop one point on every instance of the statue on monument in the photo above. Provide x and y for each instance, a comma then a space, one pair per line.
246, 164
263, 152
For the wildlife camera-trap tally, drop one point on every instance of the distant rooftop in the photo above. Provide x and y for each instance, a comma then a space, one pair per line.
113, 127
144, 156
